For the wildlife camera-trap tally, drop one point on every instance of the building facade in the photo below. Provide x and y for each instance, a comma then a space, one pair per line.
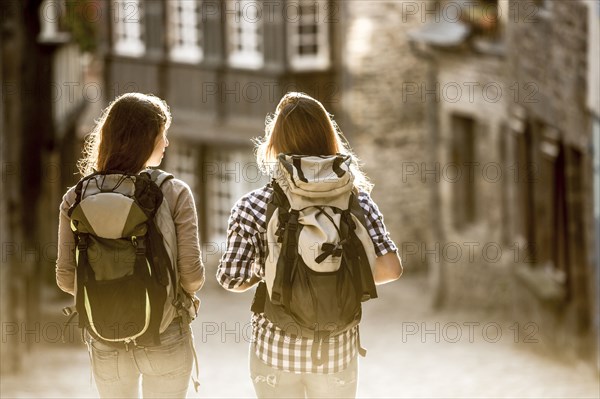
222, 66
593, 106
554, 134
517, 224
41, 103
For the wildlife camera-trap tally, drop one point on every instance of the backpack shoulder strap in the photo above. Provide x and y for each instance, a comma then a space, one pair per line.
158, 176
278, 198
260, 297
356, 210
358, 254
271, 204
79, 190
287, 233
279, 201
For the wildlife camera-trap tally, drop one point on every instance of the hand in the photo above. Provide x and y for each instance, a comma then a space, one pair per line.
247, 284
388, 268
253, 280
196, 302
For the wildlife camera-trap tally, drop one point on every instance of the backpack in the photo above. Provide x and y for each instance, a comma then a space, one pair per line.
319, 252
127, 283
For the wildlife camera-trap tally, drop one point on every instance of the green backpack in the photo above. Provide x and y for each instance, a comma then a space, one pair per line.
127, 285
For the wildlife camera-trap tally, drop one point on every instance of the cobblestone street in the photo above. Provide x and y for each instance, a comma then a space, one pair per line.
412, 352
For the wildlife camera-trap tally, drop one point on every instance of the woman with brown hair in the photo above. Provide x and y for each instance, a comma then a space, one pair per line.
301, 142
130, 136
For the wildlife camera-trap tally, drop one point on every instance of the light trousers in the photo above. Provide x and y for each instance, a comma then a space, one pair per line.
162, 371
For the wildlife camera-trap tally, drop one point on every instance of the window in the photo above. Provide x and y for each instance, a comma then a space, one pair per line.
220, 198
128, 29
228, 175
463, 159
505, 156
551, 211
558, 241
525, 174
308, 36
577, 276
182, 160
184, 30
244, 23
52, 15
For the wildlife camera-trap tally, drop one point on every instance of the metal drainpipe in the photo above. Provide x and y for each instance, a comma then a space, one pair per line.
439, 273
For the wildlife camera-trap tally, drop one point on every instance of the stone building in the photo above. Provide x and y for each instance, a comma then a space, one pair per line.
223, 66
517, 231
554, 213
385, 123
468, 94
593, 106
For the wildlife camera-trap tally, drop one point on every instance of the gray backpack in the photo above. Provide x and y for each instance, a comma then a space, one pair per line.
319, 255
127, 284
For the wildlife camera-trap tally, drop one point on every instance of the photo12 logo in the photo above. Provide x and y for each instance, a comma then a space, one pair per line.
470, 331
470, 92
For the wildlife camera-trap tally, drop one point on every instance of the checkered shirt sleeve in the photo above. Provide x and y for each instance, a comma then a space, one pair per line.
246, 247
375, 226
244, 256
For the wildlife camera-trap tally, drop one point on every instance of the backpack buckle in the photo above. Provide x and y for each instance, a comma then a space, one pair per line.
329, 249
82, 243
279, 233
138, 243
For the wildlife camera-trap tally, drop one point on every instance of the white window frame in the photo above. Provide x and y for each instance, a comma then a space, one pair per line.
322, 59
184, 30
128, 25
182, 158
232, 174
50, 14
247, 16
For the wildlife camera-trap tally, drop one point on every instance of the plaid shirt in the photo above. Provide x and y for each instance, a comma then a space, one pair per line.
245, 256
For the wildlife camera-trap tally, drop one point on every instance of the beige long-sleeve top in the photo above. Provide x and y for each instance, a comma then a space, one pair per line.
189, 262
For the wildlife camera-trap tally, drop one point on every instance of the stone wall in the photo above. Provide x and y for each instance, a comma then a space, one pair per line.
549, 49
475, 258
386, 128
552, 53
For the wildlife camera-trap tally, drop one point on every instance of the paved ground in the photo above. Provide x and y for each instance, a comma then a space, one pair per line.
413, 352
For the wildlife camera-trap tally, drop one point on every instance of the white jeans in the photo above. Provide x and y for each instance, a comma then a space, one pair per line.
164, 370
272, 383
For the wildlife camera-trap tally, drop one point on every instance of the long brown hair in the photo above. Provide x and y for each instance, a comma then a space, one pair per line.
302, 126
124, 137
